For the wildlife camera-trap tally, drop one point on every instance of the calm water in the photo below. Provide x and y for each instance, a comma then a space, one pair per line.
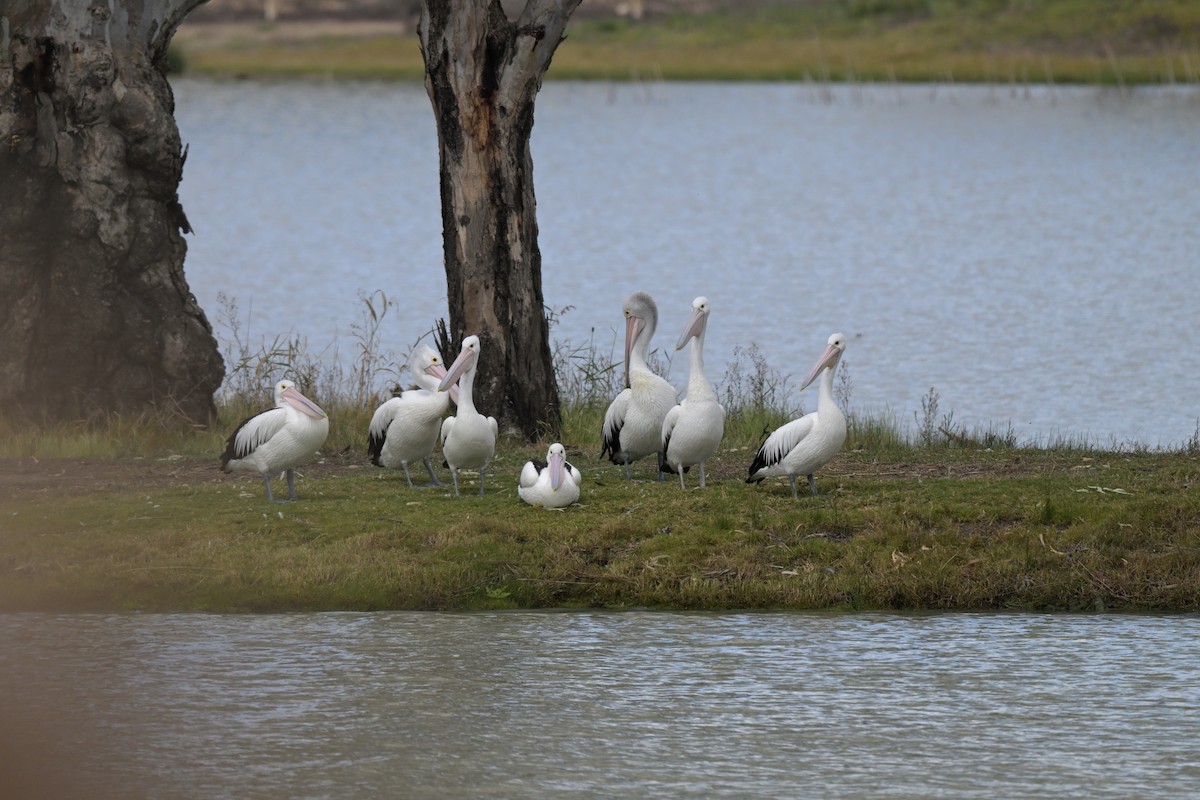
551, 705
1033, 257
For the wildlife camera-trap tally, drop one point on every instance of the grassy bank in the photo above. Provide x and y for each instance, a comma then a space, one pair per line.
899, 527
1115, 42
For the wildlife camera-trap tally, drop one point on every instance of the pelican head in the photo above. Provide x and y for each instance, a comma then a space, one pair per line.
641, 318
286, 392
697, 323
829, 359
467, 357
426, 361
556, 461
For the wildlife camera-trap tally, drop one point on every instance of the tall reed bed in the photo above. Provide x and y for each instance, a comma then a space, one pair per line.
350, 380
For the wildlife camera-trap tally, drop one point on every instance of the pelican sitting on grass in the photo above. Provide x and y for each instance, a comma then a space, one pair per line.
404, 429
278, 439
804, 445
553, 483
468, 438
692, 430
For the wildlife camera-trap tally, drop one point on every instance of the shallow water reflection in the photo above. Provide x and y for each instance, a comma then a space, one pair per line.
605, 704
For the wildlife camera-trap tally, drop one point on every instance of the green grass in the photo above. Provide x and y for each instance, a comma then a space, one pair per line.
1060, 41
946, 527
130, 512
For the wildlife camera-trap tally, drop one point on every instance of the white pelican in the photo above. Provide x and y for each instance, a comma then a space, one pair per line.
405, 428
278, 439
469, 438
633, 422
804, 445
551, 484
692, 430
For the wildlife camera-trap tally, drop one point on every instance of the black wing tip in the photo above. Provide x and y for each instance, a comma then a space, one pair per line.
610, 450
375, 448
758, 463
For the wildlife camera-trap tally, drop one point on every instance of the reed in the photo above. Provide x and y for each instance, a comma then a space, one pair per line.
350, 382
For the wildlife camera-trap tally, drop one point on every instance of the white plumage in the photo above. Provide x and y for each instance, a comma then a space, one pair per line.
468, 438
692, 430
633, 422
552, 484
405, 429
804, 445
278, 439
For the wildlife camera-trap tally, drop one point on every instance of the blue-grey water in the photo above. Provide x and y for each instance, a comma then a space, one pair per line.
1032, 254
583, 704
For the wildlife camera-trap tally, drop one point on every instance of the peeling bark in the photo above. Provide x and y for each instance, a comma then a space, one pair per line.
95, 313
482, 73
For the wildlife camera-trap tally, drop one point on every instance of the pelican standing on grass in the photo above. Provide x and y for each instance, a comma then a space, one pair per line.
633, 422
278, 439
404, 429
468, 438
692, 430
804, 445
551, 484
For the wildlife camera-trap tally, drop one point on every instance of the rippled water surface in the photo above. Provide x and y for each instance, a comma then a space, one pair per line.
551, 705
1032, 255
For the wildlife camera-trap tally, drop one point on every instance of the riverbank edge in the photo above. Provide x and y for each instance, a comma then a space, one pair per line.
716, 46
966, 532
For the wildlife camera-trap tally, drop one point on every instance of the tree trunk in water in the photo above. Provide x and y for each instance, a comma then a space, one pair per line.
483, 73
95, 313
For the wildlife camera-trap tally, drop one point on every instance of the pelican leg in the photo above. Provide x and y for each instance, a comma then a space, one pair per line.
267, 483
407, 477
433, 479
662, 476
812, 484
482, 472
291, 476
681, 484
454, 477
701, 474
792, 480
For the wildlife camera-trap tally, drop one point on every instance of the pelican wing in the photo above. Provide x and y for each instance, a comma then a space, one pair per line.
668, 426
447, 425
377, 431
783, 441
614, 420
494, 426
253, 433
530, 472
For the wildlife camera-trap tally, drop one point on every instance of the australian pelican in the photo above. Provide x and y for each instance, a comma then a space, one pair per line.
692, 430
404, 429
633, 422
553, 483
804, 445
278, 439
468, 438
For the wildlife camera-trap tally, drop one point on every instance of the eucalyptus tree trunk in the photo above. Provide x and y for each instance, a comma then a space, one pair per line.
483, 72
95, 313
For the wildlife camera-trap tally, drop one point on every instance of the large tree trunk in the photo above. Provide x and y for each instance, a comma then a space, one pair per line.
95, 313
482, 73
